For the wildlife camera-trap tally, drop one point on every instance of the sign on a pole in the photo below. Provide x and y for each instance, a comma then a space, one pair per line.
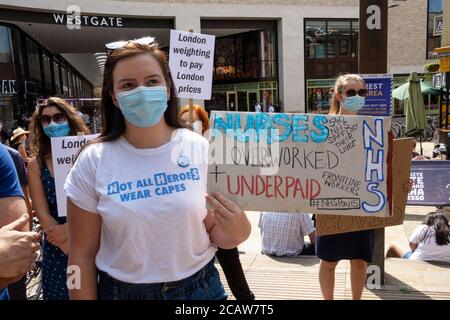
379, 95
64, 153
301, 162
431, 183
191, 61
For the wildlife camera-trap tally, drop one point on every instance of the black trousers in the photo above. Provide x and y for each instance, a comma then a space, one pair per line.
232, 268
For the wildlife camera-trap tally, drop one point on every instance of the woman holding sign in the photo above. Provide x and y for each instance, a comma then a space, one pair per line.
136, 196
348, 99
54, 118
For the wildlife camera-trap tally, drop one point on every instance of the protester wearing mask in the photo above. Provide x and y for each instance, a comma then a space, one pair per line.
348, 99
54, 118
136, 196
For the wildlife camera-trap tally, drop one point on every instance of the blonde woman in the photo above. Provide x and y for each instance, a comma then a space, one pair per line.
348, 98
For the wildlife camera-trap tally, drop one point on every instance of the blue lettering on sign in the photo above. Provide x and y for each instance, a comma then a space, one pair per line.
278, 127
370, 138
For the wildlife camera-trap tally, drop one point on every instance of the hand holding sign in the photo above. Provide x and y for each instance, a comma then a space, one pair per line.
229, 216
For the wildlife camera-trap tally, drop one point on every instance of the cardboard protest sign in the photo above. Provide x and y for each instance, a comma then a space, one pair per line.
64, 153
191, 61
301, 162
401, 167
379, 95
431, 183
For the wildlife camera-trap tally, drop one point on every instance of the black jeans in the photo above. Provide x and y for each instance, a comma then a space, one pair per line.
232, 268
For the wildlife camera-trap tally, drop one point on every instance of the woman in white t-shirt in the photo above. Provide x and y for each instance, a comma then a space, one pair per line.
429, 242
136, 196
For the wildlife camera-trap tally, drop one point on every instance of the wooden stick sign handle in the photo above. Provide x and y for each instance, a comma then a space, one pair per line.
191, 103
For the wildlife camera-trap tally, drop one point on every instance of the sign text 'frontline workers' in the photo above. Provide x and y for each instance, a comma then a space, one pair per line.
301, 162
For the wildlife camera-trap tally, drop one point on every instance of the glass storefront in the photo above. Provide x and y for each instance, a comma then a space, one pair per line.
331, 48
29, 72
245, 72
435, 26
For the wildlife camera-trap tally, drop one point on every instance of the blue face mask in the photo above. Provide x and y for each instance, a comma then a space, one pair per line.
54, 130
143, 106
353, 104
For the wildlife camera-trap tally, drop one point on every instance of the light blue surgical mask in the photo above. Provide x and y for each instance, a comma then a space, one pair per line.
143, 106
353, 104
54, 130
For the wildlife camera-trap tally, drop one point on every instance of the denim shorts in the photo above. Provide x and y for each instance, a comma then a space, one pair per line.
203, 285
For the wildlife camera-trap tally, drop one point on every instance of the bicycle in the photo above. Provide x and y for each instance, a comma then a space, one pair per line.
33, 280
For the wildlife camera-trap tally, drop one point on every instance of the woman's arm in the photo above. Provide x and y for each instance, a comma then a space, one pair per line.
227, 224
84, 243
40, 204
23, 153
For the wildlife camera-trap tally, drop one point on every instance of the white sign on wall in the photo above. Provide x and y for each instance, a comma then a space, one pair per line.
64, 154
191, 61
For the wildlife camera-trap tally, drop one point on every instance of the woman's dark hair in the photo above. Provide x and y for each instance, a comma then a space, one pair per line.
438, 224
40, 144
113, 119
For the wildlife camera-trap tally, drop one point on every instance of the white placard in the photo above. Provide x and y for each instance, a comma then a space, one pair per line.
64, 153
312, 163
191, 61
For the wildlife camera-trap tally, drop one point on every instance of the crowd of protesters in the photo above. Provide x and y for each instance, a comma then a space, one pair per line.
164, 247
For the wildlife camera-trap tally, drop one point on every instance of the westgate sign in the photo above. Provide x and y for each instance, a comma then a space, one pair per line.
87, 21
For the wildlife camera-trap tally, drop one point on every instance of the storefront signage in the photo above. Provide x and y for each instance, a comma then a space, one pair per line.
87, 21
8, 87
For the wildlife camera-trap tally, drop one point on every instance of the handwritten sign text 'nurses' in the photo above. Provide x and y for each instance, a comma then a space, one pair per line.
301, 162
64, 154
191, 61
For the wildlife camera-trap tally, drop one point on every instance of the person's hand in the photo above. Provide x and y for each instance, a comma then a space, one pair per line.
420, 157
64, 247
18, 250
229, 217
57, 234
408, 186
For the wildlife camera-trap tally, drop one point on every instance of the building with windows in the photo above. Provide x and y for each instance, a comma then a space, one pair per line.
29, 71
272, 52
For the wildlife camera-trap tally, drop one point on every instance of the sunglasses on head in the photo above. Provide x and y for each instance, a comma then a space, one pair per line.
57, 118
353, 92
120, 44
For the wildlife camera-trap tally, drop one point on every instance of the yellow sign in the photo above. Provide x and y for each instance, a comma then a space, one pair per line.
444, 55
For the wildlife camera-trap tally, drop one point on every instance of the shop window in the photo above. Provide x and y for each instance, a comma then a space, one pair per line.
5, 45
435, 26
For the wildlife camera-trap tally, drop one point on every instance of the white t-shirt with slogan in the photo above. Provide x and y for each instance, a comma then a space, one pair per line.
152, 206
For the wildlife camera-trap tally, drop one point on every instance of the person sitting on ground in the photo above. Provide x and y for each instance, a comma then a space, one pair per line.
283, 234
429, 242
